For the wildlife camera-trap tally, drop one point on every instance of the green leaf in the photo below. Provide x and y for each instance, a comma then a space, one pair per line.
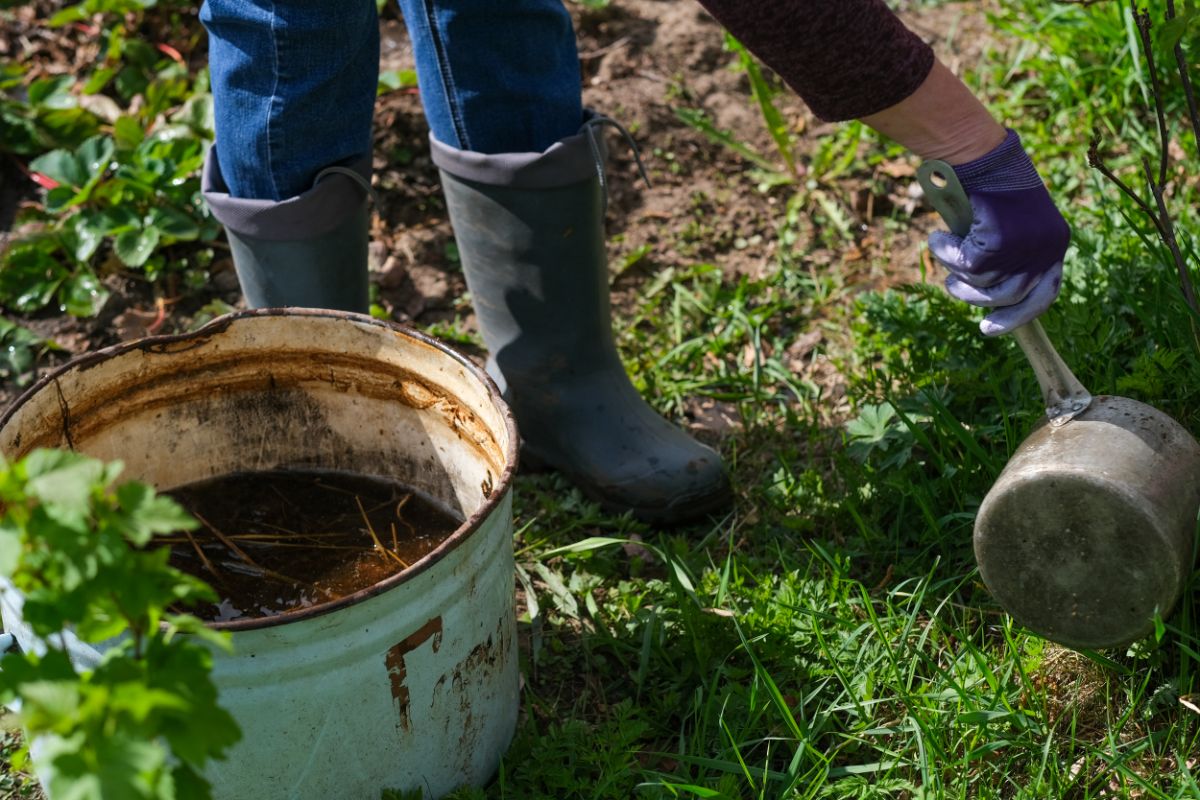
130, 82
83, 295
11, 74
195, 628
62, 198
872, 430
79, 169
134, 247
763, 95
51, 700
52, 92
585, 545
17, 350
99, 79
10, 547
119, 765
701, 123
95, 154
873, 423
128, 133
62, 166
196, 114
114, 218
73, 13
393, 79
1172, 31
110, 732
89, 229
147, 514
30, 277
66, 127
63, 480
190, 784
174, 224
563, 600
18, 669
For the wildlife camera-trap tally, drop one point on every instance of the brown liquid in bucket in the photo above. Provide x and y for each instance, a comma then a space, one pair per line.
273, 541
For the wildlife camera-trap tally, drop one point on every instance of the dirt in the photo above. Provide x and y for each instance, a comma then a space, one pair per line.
270, 542
640, 61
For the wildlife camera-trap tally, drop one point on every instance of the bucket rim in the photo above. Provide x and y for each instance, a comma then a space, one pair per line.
470, 525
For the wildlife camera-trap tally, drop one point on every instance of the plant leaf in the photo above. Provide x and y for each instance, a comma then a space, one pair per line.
134, 247
62, 166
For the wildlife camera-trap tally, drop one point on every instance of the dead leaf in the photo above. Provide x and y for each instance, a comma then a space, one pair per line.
800, 348
714, 416
101, 105
897, 169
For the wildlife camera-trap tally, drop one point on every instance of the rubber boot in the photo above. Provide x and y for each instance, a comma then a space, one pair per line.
308, 251
530, 233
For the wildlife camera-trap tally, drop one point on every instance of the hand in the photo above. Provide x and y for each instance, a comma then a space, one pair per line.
1011, 258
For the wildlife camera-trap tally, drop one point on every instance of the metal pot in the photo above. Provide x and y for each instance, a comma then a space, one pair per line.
411, 683
1088, 532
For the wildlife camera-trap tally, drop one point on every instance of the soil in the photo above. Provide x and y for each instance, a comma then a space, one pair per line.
640, 61
270, 542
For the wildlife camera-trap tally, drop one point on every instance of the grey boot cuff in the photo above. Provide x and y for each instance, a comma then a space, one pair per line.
317, 211
566, 162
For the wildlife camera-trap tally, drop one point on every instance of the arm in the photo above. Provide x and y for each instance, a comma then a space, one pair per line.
854, 59
941, 119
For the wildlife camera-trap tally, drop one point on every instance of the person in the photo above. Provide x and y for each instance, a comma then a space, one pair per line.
522, 168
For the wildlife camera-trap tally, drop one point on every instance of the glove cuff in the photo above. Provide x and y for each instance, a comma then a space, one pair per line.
1005, 169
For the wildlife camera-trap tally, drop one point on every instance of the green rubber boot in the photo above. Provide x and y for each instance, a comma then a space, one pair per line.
530, 233
308, 251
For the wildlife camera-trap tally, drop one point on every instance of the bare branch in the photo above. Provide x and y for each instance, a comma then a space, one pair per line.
1167, 229
1142, 18
1186, 78
1096, 162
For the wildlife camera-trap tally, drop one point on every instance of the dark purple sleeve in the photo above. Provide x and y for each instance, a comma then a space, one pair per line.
846, 58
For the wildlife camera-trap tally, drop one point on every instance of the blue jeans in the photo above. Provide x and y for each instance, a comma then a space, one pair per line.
294, 82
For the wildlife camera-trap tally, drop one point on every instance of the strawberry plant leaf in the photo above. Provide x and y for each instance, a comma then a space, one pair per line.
128, 133
88, 230
30, 273
134, 247
61, 166
82, 294
174, 224
52, 92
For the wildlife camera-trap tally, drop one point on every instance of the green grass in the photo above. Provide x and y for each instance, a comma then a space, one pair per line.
829, 636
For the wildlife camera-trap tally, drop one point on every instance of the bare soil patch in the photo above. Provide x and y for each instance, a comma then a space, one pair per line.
640, 61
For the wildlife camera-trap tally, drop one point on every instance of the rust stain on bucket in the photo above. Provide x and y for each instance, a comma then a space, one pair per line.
398, 671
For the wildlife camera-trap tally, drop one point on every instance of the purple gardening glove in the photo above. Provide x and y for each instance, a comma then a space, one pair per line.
1011, 259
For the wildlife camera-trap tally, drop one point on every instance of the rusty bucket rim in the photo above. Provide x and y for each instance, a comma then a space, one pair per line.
463, 532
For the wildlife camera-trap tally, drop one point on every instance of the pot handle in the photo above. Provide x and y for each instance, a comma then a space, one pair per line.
1062, 393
